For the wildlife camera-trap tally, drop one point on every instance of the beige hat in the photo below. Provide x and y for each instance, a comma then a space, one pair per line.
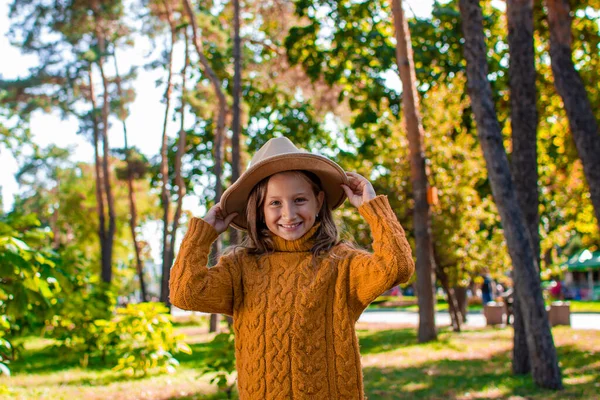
279, 155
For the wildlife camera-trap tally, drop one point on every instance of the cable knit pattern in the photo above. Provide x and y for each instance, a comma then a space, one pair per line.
294, 322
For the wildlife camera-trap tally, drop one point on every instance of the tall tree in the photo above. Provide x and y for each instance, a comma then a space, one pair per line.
219, 130
164, 156
420, 185
236, 124
101, 30
569, 85
133, 213
524, 121
544, 362
181, 147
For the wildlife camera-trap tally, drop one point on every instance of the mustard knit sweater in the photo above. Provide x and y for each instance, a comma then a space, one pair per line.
294, 323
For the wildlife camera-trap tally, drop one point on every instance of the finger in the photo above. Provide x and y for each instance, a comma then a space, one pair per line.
230, 218
355, 175
348, 191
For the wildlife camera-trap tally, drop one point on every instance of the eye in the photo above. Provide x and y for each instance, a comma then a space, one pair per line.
301, 200
274, 203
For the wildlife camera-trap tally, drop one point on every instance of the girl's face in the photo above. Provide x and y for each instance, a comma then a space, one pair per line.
290, 206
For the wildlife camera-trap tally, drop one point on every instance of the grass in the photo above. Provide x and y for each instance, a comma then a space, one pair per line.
472, 364
585, 306
469, 365
387, 302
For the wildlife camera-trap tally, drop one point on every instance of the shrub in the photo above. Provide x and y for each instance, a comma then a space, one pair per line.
145, 339
79, 324
221, 362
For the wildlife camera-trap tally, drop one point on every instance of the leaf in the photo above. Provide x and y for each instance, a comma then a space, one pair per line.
4, 369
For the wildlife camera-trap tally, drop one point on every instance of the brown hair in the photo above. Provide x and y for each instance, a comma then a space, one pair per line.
258, 239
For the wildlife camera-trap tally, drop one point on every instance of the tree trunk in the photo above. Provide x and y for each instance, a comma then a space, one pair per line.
131, 192
107, 250
220, 129
237, 99
456, 316
180, 152
542, 352
102, 234
164, 171
422, 218
521, 365
56, 242
571, 89
524, 121
461, 298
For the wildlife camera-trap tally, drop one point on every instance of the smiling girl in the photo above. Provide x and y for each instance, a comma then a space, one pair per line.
294, 290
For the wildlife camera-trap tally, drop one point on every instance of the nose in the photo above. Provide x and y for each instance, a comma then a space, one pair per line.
288, 211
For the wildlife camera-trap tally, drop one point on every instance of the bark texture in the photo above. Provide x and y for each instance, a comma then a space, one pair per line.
542, 352
568, 83
164, 167
524, 122
139, 264
220, 129
422, 217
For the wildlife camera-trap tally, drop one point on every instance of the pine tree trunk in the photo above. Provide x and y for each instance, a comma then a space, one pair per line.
220, 129
524, 121
544, 362
131, 194
570, 87
110, 235
236, 125
180, 152
422, 218
164, 171
99, 181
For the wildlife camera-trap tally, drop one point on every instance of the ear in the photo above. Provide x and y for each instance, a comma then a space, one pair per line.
320, 199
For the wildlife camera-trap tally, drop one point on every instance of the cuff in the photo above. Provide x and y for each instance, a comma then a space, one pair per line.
377, 208
201, 231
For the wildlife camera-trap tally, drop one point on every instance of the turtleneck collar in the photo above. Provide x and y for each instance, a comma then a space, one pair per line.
304, 243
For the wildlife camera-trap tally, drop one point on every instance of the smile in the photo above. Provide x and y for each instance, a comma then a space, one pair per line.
290, 226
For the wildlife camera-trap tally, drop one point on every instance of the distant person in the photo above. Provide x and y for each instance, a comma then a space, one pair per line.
486, 289
556, 291
294, 290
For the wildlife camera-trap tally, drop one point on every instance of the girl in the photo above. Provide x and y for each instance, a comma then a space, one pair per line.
294, 290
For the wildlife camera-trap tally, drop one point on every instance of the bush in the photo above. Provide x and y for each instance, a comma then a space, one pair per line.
80, 322
221, 362
144, 338
5, 346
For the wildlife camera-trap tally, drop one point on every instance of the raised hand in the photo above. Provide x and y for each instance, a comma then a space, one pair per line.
359, 190
217, 220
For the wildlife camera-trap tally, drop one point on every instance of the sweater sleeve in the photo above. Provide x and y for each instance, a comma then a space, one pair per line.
192, 285
391, 262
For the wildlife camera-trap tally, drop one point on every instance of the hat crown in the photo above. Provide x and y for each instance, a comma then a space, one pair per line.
274, 147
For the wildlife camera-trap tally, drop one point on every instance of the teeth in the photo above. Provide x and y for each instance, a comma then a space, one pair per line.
291, 226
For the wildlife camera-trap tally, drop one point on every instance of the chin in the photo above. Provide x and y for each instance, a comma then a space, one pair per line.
293, 235
290, 236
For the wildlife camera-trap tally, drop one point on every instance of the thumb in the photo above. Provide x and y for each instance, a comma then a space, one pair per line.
348, 191
230, 218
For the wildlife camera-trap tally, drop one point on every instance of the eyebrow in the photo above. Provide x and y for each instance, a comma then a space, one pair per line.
294, 195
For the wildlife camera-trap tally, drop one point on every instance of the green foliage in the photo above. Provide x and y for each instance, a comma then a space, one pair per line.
5, 346
144, 339
30, 279
80, 320
221, 362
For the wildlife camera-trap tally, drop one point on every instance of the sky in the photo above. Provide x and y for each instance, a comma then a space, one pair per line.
144, 124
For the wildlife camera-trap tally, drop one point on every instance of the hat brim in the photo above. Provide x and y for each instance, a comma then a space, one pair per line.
235, 198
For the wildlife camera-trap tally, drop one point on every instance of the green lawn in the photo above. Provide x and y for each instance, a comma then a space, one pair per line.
441, 305
469, 365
